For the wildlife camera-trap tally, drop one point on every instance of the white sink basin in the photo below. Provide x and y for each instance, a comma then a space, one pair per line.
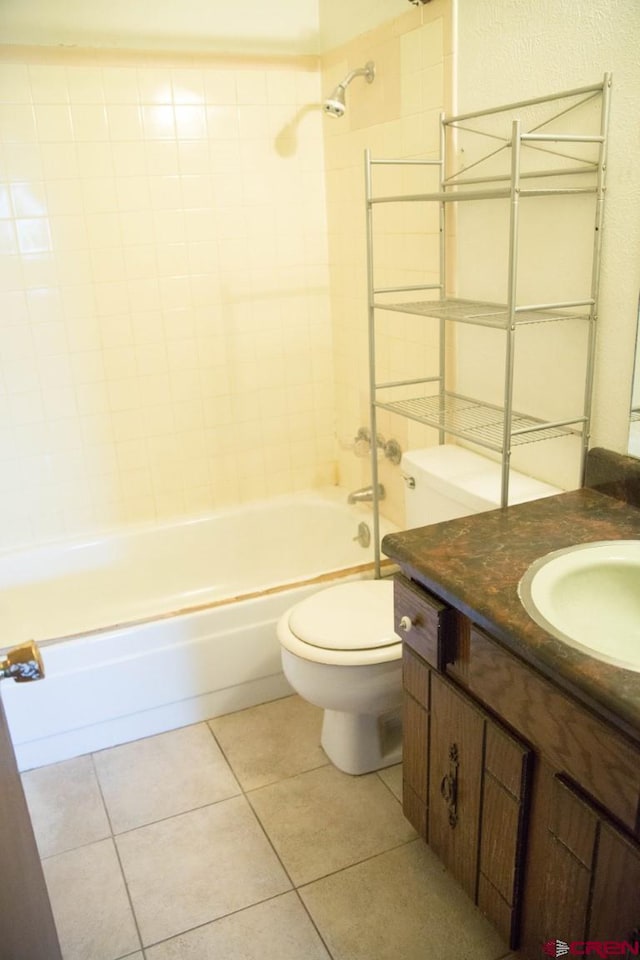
589, 597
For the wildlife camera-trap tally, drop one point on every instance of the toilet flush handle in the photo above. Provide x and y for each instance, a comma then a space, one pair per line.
406, 623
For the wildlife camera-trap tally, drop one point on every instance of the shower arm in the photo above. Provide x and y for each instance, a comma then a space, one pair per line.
368, 72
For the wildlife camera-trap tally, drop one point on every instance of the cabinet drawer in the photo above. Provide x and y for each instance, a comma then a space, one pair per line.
573, 740
424, 623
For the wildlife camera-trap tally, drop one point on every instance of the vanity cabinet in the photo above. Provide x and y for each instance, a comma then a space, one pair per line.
530, 800
585, 872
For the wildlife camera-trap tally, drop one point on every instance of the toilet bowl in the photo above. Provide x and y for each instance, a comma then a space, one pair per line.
339, 651
338, 647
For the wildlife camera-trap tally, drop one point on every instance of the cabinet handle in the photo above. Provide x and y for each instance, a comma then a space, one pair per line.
406, 623
449, 785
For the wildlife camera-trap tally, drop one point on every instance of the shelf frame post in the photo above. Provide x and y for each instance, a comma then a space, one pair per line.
373, 422
595, 270
442, 361
514, 223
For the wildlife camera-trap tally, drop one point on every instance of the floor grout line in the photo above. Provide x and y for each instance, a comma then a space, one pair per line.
207, 923
356, 863
117, 852
382, 780
315, 925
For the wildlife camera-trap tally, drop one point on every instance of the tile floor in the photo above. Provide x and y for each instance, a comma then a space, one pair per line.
237, 840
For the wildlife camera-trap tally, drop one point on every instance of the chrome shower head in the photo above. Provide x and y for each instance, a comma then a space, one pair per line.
334, 105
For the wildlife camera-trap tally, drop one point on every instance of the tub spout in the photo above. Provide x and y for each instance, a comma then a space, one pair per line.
365, 494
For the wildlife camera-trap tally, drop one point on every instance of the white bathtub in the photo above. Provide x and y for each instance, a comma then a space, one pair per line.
158, 627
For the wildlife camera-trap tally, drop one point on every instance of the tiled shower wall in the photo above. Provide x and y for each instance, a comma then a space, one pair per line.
397, 116
164, 315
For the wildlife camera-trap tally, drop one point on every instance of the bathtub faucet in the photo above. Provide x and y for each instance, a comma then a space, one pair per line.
365, 494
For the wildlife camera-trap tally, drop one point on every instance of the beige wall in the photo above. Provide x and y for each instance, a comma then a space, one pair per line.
280, 26
342, 22
508, 51
165, 333
396, 116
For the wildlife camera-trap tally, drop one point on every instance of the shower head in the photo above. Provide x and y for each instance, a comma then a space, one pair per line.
334, 105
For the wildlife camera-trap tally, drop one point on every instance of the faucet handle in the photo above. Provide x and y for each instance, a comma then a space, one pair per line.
22, 664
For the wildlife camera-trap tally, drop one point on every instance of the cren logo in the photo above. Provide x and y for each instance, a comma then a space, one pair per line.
593, 948
556, 948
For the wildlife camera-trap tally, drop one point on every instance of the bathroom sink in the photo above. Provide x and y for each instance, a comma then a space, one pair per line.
588, 596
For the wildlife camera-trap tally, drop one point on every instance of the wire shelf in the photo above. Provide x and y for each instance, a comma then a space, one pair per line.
477, 422
477, 312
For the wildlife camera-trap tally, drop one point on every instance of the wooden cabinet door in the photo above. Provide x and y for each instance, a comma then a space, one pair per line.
478, 802
504, 821
615, 905
585, 881
455, 782
415, 725
27, 930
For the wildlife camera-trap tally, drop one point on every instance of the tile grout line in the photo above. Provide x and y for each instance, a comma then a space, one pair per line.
357, 863
268, 838
394, 795
314, 924
117, 852
261, 786
208, 923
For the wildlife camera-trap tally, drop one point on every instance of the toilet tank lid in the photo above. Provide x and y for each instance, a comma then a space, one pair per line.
349, 616
474, 479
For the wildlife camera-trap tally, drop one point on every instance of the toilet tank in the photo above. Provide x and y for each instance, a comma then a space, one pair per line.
445, 482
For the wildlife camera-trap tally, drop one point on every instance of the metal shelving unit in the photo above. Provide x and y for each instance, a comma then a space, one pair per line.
431, 403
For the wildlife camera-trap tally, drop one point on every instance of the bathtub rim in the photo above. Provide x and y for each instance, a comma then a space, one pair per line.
360, 570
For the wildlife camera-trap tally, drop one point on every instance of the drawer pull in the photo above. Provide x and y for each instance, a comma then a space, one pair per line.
406, 623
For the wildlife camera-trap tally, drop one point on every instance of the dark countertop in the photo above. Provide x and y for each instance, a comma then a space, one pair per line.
476, 562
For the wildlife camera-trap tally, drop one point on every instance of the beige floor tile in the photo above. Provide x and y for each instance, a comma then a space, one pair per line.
90, 904
400, 904
65, 806
392, 776
271, 741
325, 820
279, 929
197, 867
161, 776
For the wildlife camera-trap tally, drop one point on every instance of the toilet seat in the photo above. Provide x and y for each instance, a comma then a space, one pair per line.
349, 624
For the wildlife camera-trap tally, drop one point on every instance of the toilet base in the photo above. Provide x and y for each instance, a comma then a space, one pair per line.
359, 743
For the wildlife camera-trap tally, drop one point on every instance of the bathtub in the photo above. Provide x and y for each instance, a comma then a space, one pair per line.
157, 627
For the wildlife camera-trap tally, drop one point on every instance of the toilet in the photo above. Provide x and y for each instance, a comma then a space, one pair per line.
338, 646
